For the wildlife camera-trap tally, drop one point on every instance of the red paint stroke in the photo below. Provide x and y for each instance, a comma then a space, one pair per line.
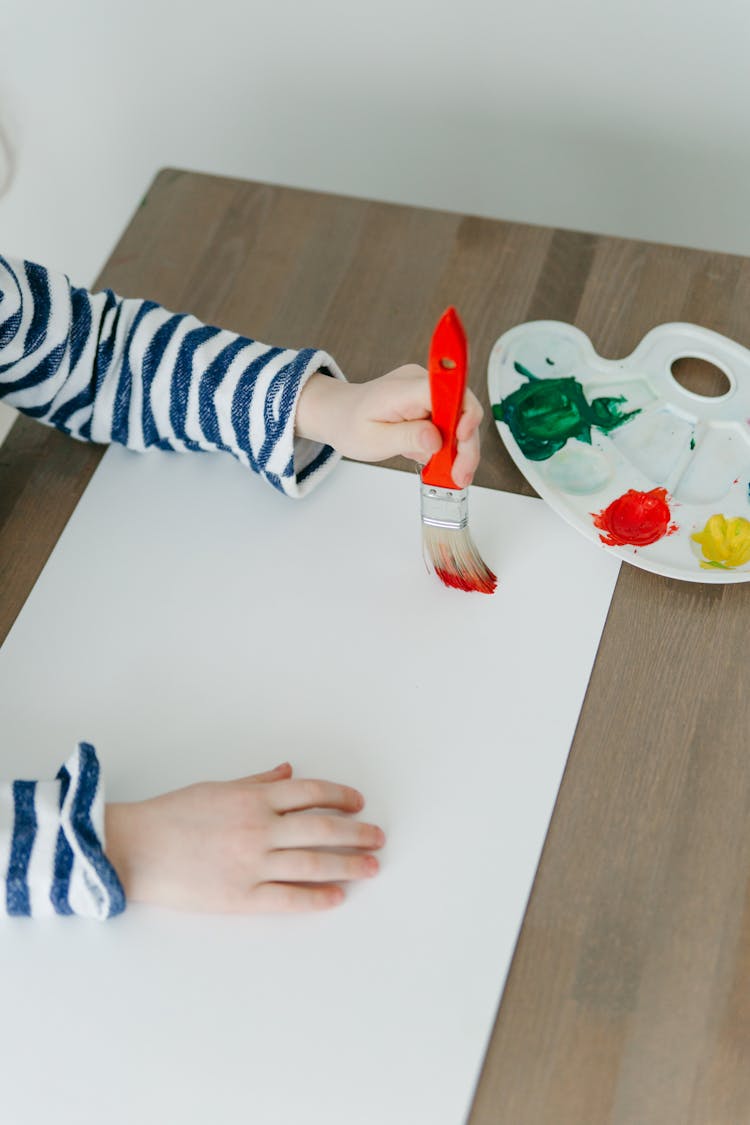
635, 518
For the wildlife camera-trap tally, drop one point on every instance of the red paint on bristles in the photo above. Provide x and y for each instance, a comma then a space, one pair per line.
457, 563
480, 584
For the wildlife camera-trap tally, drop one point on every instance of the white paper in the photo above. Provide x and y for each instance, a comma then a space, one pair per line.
193, 624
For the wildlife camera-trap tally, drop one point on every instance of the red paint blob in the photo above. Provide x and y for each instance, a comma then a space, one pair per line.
635, 518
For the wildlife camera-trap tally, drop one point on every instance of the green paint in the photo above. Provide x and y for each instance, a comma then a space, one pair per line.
692, 443
543, 413
551, 362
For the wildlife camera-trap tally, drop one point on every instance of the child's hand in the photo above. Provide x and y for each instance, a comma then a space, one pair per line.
242, 847
385, 417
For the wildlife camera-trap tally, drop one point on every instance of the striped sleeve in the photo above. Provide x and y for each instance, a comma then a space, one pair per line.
52, 845
109, 369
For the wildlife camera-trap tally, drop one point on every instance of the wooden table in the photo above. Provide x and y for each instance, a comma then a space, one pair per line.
628, 998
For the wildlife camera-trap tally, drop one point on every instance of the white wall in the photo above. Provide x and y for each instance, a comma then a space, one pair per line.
623, 116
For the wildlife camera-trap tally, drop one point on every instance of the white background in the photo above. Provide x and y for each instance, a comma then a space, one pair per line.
621, 116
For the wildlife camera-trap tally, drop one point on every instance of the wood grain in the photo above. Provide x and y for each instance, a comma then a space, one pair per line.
628, 1000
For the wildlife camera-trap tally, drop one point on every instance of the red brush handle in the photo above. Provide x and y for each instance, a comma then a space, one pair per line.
448, 364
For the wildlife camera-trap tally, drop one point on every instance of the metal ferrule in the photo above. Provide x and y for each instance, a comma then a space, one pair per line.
445, 507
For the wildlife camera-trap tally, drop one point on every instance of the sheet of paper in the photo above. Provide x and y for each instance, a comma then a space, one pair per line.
193, 624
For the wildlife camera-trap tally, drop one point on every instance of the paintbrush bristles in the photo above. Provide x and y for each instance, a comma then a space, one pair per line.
454, 558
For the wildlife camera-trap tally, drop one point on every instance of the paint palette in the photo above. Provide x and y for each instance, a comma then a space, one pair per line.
656, 474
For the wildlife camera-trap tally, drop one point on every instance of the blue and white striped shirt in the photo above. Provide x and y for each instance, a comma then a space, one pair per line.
110, 369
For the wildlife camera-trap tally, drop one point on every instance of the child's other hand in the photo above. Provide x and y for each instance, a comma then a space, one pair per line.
384, 418
243, 847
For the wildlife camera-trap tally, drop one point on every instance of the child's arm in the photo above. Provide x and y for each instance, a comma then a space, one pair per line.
245, 846
110, 369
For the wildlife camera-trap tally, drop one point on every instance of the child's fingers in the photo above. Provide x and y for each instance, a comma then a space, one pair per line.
320, 831
467, 436
278, 773
467, 459
416, 440
288, 898
470, 418
289, 796
304, 866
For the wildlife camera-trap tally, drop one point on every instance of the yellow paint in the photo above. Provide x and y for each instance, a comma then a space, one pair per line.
725, 543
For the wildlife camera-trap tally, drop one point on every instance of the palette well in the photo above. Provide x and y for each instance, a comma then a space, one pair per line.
646, 469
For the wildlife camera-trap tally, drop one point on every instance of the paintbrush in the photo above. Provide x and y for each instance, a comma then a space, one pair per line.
448, 547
